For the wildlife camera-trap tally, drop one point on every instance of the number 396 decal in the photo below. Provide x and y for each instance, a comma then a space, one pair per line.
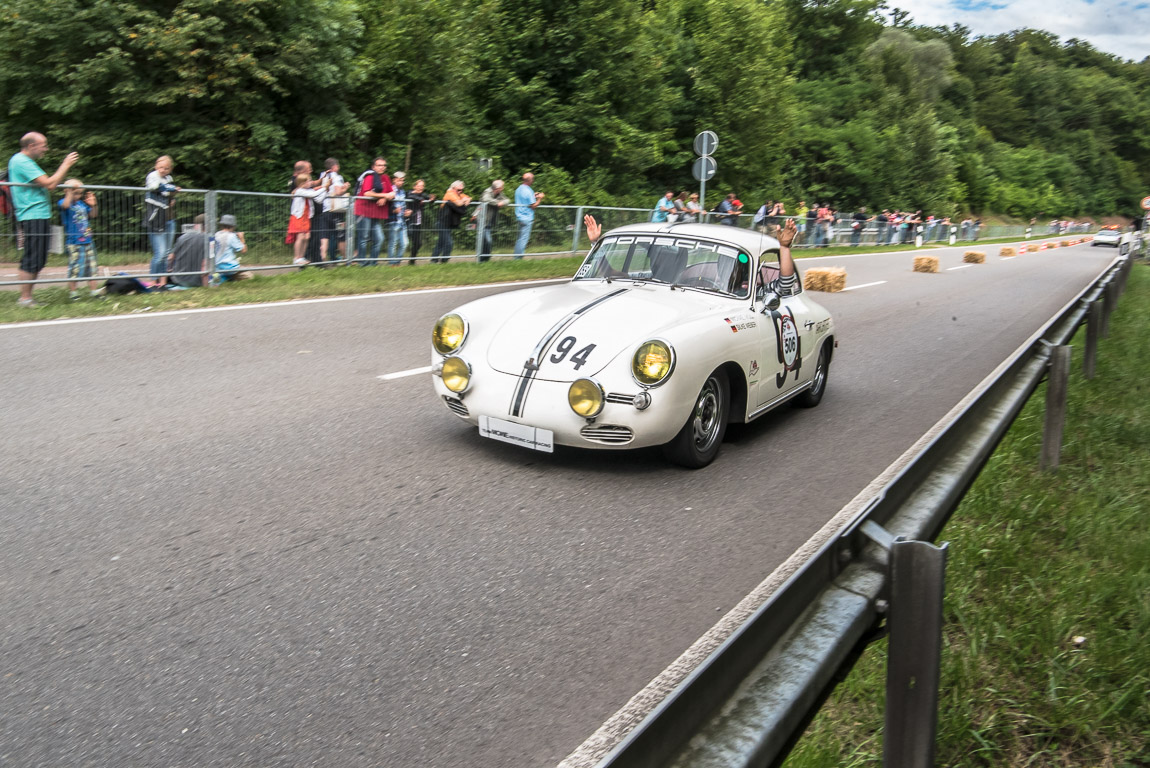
565, 346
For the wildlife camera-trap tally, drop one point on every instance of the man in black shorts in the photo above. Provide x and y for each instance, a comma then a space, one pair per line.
33, 205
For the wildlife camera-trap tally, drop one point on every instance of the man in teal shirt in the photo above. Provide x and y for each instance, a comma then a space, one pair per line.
33, 205
526, 201
665, 206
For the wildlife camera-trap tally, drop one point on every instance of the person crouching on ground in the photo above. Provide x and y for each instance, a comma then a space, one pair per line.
188, 256
229, 245
77, 209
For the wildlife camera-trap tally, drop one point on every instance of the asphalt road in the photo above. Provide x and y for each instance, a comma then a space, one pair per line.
224, 541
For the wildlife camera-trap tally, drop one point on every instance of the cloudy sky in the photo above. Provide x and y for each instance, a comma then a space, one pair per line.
1121, 27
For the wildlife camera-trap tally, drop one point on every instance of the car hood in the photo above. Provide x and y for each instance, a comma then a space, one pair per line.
603, 319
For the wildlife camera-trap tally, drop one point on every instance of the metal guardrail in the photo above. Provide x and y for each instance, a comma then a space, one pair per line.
750, 700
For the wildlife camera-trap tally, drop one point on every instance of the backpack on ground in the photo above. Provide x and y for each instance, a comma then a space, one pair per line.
123, 285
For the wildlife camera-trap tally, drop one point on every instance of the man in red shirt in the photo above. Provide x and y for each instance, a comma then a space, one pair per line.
373, 192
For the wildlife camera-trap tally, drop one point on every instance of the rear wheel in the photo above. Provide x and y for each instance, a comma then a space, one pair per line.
699, 440
812, 396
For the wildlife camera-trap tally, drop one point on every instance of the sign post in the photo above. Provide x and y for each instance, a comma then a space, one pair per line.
704, 168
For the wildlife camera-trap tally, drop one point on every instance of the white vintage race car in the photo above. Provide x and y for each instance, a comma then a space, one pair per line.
666, 333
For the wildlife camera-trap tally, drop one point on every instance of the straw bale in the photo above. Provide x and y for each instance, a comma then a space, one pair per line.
1007, 251
1032, 248
826, 279
974, 257
925, 263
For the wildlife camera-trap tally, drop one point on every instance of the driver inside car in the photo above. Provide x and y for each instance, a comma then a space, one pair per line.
785, 284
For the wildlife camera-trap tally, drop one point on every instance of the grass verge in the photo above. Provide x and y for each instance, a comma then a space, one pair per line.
336, 281
298, 284
1037, 561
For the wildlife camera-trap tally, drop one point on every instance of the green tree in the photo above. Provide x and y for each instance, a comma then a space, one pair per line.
576, 84
228, 89
415, 68
736, 81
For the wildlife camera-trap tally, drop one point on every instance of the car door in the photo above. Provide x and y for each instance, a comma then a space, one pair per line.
787, 344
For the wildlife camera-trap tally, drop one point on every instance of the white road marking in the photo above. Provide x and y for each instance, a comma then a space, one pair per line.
402, 374
964, 266
271, 304
864, 285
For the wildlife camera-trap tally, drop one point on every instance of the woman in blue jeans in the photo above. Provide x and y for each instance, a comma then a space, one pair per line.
159, 202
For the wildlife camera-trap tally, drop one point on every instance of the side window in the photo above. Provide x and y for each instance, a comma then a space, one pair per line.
769, 272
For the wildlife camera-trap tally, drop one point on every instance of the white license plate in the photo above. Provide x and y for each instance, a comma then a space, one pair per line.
517, 434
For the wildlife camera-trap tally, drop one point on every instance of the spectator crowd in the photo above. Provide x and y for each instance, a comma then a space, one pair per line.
378, 218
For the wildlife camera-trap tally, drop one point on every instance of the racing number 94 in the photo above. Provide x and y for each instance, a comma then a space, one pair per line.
565, 346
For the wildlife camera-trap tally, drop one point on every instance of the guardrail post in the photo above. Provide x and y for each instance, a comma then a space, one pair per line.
578, 229
918, 571
1108, 300
1093, 328
1056, 385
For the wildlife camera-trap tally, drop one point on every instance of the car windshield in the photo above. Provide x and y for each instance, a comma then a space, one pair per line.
680, 261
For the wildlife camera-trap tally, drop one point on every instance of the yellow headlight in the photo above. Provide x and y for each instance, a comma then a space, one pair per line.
585, 398
449, 334
652, 363
456, 374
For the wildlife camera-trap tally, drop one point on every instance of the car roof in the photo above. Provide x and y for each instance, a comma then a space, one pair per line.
745, 239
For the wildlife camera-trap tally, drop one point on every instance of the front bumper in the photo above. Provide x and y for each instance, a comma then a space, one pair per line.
619, 425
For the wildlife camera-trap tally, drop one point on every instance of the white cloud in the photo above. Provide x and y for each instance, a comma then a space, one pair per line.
1120, 27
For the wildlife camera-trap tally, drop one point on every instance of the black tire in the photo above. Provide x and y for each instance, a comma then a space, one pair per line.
699, 440
814, 395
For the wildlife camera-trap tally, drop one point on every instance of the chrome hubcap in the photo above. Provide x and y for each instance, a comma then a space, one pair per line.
820, 372
705, 424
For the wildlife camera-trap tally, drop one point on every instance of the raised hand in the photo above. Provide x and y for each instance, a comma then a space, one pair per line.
594, 229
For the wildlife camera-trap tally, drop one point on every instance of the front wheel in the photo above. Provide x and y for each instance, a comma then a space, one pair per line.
699, 440
814, 394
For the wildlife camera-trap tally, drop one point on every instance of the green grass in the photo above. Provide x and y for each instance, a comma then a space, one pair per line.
297, 284
1035, 561
311, 283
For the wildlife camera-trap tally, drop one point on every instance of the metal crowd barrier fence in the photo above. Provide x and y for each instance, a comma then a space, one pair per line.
485, 231
752, 697
120, 237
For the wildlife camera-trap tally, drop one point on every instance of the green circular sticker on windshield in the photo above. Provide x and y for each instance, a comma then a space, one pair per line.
743, 258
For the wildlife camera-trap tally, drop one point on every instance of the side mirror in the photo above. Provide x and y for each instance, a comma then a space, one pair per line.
771, 302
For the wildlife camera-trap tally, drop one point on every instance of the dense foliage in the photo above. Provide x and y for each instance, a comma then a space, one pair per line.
814, 99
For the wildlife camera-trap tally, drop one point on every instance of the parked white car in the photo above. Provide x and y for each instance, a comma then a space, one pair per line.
666, 333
